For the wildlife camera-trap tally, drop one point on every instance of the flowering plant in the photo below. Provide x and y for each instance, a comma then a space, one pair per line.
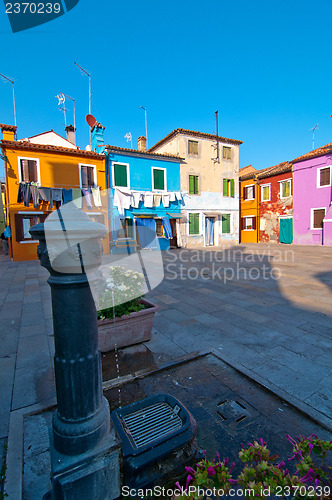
262, 475
121, 293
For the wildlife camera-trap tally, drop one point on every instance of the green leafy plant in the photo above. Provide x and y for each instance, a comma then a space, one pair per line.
121, 293
263, 475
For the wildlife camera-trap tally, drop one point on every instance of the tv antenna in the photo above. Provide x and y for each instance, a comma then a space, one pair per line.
129, 138
61, 98
216, 146
89, 75
313, 135
146, 126
12, 82
72, 99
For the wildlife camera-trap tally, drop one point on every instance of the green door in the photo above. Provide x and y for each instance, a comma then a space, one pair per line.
286, 230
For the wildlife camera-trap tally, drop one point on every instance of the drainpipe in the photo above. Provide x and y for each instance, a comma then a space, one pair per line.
258, 211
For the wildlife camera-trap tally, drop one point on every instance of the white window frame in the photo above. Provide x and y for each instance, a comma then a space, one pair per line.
249, 199
165, 180
280, 188
318, 176
19, 158
80, 165
25, 212
128, 174
312, 218
199, 224
249, 217
263, 186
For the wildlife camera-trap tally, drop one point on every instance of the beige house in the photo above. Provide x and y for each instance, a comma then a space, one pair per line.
210, 181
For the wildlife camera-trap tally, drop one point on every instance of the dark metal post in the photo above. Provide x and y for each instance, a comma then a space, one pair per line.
84, 452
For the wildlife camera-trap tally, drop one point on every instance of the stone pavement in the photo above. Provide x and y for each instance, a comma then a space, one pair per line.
276, 330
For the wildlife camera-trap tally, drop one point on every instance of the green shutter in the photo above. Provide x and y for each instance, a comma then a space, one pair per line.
120, 175
226, 223
193, 223
158, 179
225, 187
196, 184
191, 184
232, 188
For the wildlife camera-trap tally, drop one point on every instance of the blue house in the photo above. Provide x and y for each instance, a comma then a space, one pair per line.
145, 198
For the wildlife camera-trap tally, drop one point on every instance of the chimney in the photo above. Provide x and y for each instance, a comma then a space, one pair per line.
97, 136
8, 132
71, 134
142, 143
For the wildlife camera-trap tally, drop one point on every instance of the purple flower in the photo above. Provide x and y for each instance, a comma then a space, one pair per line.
211, 471
232, 481
310, 447
281, 464
226, 460
191, 470
218, 457
291, 440
189, 478
204, 454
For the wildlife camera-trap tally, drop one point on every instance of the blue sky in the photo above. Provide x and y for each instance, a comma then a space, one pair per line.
265, 65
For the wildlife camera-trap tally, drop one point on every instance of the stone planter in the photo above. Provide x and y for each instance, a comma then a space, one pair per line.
127, 330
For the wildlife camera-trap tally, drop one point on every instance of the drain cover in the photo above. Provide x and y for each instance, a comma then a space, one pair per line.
149, 424
232, 411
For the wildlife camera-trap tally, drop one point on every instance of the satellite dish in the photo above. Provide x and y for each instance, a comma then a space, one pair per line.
91, 120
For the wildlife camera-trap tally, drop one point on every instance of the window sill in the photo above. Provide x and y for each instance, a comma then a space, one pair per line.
28, 241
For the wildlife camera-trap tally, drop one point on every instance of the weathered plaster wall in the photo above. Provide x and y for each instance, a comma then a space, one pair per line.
270, 211
211, 175
307, 196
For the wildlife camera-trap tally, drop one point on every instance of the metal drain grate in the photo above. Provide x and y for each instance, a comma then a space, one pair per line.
232, 411
152, 423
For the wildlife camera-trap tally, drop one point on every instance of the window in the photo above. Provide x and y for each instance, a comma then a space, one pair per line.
249, 192
159, 179
126, 229
324, 176
317, 217
248, 223
23, 222
285, 188
226, 223
266, 192
228, 187
87, 176
159, 228
193, 223
121, 174
193, 147
227, 153
29, 170
193, 184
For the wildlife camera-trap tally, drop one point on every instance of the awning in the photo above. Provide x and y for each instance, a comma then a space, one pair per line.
174, 215
150, 216
212, 214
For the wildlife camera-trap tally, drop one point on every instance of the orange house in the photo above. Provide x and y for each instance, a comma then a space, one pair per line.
54, 169
249, 203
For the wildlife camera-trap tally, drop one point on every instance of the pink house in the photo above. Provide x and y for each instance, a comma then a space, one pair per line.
312, 197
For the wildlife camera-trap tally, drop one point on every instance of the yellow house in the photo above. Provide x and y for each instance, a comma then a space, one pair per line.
249, 203
51, 169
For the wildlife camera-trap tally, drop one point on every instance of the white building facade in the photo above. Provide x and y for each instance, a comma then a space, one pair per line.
210, 179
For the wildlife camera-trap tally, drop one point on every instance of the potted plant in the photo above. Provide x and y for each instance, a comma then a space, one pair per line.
124, 316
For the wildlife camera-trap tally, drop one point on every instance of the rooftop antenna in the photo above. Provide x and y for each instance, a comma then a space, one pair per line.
72, 99
88, 74
146, 127
129, 138
216, 146
61, 103
313, 135
12, 82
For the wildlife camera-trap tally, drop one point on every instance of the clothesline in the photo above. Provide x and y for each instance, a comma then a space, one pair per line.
124, 198
38, 194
